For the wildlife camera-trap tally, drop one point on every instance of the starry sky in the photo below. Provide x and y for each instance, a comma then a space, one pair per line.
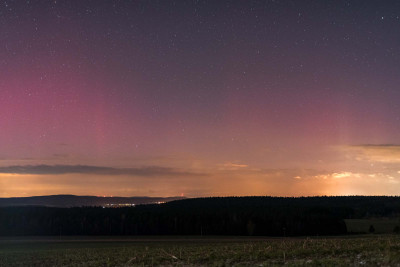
199, 98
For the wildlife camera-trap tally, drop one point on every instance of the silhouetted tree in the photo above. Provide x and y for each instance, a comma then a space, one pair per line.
371, 229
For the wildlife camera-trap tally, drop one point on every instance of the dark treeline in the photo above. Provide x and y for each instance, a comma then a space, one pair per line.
268, 216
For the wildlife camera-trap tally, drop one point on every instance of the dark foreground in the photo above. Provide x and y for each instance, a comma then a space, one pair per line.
221, 216
176, 251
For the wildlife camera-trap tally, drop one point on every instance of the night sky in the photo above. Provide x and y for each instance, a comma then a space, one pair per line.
200, 98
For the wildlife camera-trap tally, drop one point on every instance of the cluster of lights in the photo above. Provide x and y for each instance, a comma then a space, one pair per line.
122, 205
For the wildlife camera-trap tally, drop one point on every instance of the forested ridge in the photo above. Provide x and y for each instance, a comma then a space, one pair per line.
267, 216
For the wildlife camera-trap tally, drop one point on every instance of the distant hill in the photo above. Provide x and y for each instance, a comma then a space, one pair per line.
81, 201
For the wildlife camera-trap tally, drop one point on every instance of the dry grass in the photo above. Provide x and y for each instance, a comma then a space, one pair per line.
367, 250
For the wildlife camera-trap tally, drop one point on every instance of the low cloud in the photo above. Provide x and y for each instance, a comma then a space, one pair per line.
386, 153
98, 170
337, 175
229, 166
351, 176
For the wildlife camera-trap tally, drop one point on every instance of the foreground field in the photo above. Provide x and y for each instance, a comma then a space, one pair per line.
153, 251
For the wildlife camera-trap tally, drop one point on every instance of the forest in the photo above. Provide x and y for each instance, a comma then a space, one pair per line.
239, 216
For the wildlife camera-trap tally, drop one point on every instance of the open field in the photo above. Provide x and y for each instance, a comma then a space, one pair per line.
380, 225
149, 251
